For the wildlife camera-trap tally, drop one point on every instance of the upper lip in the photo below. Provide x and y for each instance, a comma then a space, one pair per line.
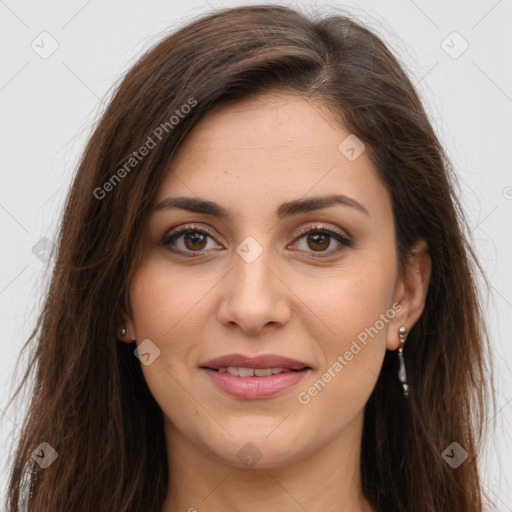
261, 361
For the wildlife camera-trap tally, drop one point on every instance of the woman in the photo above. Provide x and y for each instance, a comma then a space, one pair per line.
264, 297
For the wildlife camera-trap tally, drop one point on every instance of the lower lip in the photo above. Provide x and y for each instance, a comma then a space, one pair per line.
255, 387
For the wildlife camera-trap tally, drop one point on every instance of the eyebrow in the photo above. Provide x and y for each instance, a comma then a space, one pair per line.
198, 205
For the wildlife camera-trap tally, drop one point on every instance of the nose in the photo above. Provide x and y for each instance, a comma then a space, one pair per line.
254, 298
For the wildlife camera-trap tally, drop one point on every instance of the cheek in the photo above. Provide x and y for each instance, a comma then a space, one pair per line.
163, 300
353, 299
356, 309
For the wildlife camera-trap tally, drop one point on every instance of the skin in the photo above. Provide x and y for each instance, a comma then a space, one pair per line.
249, 158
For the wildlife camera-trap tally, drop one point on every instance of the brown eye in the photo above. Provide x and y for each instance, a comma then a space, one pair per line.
188, 240
191, 241
318, 241
194, 241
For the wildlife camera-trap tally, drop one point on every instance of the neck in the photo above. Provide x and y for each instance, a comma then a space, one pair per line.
327, 480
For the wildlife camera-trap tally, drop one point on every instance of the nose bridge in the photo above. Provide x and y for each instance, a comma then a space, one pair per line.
252, 264
251, 275
254, 296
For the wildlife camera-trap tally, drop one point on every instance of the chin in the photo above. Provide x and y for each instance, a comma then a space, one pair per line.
258, 449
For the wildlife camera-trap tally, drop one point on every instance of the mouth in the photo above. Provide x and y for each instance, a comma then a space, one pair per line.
254, 377
263, 365
254, 372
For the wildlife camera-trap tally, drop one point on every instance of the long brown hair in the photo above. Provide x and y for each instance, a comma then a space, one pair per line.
90, 401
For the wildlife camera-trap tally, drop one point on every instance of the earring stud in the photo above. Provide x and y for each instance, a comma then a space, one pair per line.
123, 331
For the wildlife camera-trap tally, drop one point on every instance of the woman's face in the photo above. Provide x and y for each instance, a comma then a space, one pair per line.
253, 282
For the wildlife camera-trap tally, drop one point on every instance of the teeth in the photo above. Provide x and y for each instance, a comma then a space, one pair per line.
251, 372
262, 372
244, 372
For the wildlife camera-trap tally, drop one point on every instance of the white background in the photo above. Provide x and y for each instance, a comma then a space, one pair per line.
48, 107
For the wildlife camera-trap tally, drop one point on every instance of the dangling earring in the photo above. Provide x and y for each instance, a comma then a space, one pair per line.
402, 376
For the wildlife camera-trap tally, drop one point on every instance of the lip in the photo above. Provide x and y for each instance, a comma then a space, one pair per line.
261, 361
255, 387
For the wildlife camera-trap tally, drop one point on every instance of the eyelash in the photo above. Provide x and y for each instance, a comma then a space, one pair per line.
191, 228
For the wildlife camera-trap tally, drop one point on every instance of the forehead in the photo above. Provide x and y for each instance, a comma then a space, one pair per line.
267, 127
269, 149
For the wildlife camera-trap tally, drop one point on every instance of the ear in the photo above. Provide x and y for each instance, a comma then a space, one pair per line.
410, 292
128, 324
